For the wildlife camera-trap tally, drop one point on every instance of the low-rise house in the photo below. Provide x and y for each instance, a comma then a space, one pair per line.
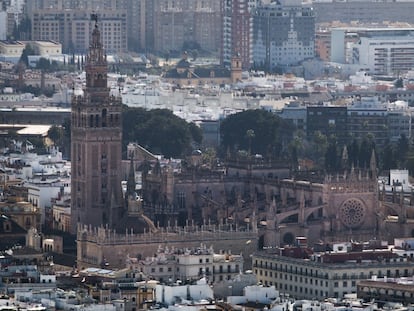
105, 286
171, 294
256, 297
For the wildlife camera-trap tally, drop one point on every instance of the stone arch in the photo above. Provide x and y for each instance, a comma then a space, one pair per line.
308, 212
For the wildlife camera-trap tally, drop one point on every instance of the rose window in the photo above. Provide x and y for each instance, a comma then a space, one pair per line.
352, 213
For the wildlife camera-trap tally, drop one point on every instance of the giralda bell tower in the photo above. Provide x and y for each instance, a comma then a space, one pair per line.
96, 131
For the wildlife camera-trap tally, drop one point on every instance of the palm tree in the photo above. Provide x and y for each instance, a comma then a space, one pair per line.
250, 135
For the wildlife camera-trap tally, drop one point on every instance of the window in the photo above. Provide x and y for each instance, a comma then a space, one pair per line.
6, 226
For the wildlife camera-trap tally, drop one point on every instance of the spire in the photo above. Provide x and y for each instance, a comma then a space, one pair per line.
273, 208
96, 51
373, 165
96, 64
345, 158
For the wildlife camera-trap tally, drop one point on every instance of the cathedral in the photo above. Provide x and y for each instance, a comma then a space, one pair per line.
246, 207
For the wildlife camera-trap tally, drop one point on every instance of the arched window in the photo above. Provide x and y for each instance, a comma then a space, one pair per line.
28, 222
104, 113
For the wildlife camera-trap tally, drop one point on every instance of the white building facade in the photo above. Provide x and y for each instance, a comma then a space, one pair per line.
384, 51
283, 34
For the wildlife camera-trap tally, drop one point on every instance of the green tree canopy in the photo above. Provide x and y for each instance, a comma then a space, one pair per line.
259, 131
56, 134
399, 83
43, 64
160, 131
24, 58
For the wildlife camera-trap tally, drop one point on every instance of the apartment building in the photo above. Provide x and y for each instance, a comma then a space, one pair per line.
237, 30
365, 11
187, 24
387, 50
328, 119
72, 27
368, 115
283, 34
306, 274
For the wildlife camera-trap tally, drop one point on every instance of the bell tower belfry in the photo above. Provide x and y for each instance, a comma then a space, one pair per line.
236, 68
96, 131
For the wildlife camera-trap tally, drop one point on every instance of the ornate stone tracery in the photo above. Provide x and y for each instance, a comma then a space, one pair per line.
352, 213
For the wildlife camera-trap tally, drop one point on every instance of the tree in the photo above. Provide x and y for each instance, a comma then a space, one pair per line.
43, 64
353, 153
318, 148
24, 58
191, 45
399, 83
56, 134
196, 133
194, 55
403, 148
209, 157
160, 131
250, 135
365, 151
296, 148
167, 56
272, 134
388, 157
331, 156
